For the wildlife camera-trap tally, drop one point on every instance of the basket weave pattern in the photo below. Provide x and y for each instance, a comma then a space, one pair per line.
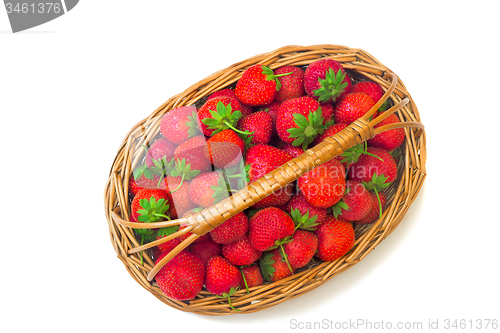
411, 174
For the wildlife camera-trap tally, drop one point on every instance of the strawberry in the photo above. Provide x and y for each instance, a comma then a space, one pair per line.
382, 164
262, 160
251, 277
182, 277
290, 149
142, 181
205, 249
258, 86
375, 211
177, 192
241, 252
301, 249
180, 124
219, 113
335, 238
299, 121
193, 151
292, 85
171, 244
273, 266
231, 230
351, 107
298, 202
388, 140
326, 81
330, 131
324, 185
150, 205
272, 109
207, 189
245, 109
327, 113
160, 149
269, 227
222, 278
372, 89
355, 204
224, 149
260, 124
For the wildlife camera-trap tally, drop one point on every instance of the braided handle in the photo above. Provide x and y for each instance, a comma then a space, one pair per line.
209, 218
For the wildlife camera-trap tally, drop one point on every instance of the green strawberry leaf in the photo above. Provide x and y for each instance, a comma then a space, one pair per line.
266, 266
337, 209
331, 86
303, 221
221, 190
152, 210
167, 231
192, 125
307, 128
377, 183
223, 118
143, 170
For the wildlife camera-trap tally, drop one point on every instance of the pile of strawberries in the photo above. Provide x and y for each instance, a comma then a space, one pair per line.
239, 135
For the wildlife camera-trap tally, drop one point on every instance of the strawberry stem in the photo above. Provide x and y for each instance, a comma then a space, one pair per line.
244, 280
142, 242
231, 305
284, 74
283, 254
179, 186
379, 202
237, 130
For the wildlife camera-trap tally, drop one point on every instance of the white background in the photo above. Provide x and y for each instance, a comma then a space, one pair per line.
72, 88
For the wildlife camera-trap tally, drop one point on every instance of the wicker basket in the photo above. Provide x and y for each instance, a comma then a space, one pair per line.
411, 174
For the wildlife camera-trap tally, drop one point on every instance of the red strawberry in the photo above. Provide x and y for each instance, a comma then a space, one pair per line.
351, 107
171, 244
301, 249
245, 109
231, 230
335, 238
205, 249
193, 151
224, 149
326, 80
222, 278
369, 166
272, 109
180, 124
299, 121
391, 139
150, 205
142, 182
207, 189
182, 277
262, 160
219, 113
327, 113
252, 276
372, 89
269, 227
355, 204
260, 124
374, 212
257, 86
273, 266
292, 150
292, 85
241, 252
160, 149
299, 202
324, 185
177, 192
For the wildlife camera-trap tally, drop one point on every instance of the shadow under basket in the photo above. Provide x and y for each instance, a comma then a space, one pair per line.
360, 65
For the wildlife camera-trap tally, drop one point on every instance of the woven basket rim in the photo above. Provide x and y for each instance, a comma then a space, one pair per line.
411, 174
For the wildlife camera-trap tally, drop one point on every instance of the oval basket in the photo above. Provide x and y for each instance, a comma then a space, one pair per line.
360, 65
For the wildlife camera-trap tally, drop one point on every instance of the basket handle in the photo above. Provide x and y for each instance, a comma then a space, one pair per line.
209, 218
